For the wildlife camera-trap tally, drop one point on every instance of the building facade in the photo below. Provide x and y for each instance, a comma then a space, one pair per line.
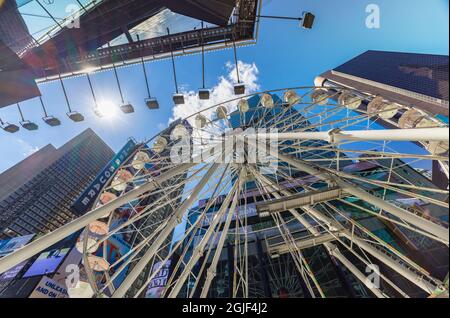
13, 30
419, 80
41, 189
418, 84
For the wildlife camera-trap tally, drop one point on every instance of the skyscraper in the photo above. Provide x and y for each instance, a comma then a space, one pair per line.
418, 84
13, 30
38, 192
419, 80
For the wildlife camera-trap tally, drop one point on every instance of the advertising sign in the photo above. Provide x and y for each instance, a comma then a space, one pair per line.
12, 273
87, 198
9, 246
243, 211
47, 262
48, 288
159, 282
116, 247
74, 258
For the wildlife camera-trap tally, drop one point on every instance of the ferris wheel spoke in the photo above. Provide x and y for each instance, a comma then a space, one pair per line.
330, 247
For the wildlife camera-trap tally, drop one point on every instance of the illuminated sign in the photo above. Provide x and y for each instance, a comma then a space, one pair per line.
87, 198
9, 246
47, 262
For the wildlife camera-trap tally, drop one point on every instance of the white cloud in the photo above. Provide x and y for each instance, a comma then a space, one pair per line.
26, 148
222, 92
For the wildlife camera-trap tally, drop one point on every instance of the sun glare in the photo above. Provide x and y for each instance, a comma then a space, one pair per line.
107, 109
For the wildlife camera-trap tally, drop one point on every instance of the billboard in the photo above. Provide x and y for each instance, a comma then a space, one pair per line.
66, 268
48, 288
87, 198
47, 262
12, 273
116, 247
243, 211
10, 245
159, 282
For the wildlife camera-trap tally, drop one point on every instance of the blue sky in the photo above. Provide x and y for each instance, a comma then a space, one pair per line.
285, 56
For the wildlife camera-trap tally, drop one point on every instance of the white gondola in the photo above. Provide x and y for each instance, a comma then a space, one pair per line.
267, 101
139, 160
222, 112
97, 263
160, 144
119, 182
98, 228
320, 96
291, 97
106, 197
92, 244
410, 119
200, 121
382, 109
243, 106
81, 290
179, 132
426, 122
437, 147
349, 100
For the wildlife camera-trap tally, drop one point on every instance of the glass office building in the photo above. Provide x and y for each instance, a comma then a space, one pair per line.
42, 188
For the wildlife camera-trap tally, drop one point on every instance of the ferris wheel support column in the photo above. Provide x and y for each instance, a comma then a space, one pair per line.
437, 230
389, 261
336, 135
51, 238
174, 220
334, 250
331, 248
199, 250
211, 272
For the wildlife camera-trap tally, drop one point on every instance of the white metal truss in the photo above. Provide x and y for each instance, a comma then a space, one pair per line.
325, 165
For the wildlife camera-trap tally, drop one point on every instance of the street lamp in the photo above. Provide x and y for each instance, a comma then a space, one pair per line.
239, 88
203, 93
152, 103
49, 120
178, 98
10, 128
28, 125
73, 115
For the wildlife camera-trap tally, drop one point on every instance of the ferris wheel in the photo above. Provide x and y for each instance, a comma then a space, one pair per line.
294, 168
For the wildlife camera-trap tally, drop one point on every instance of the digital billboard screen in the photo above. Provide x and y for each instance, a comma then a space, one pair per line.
11, 245
47, 262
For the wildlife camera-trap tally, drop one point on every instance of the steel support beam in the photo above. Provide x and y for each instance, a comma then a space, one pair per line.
302, 243
298, 200
336, 135
376, 253
49, 239
440, 232
174, 220
330, 247
199, 250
